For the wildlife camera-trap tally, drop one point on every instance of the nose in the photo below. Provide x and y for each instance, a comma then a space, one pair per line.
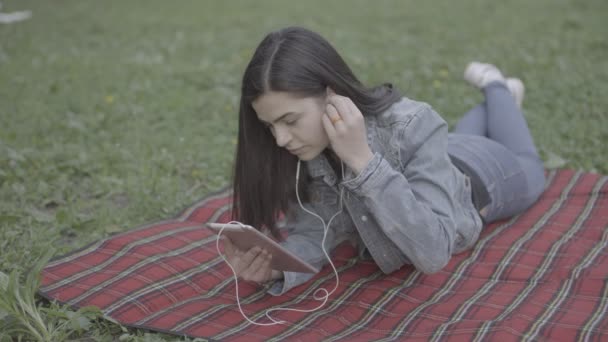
282, 136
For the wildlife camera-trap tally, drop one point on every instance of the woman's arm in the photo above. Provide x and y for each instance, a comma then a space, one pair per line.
413, 207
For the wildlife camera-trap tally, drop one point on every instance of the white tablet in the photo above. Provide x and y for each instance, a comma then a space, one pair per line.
245, 237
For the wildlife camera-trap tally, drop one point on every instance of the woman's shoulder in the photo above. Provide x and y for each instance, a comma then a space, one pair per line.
405, 111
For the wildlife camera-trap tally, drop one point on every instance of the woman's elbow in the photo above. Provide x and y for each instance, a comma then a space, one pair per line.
433, 263
432, 268
437, 254
424, 264
425, 267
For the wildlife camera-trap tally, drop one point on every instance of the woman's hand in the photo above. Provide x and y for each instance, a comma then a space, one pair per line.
251, 266
345, 128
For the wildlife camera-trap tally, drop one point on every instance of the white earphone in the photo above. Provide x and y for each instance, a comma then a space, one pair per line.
324, 294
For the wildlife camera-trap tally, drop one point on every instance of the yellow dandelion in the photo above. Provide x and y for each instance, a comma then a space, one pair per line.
109, 99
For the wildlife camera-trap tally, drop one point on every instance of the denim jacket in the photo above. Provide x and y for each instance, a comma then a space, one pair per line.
409, 205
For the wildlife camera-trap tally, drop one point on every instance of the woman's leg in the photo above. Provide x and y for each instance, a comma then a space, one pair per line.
506, 122
502, 153
507, 126
474, 122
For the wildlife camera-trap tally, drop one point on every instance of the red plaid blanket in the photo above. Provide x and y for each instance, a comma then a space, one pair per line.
540, 276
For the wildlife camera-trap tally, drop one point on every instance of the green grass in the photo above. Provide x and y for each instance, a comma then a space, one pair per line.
115, 113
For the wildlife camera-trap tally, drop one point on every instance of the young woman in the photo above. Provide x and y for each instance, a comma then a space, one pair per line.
373, 168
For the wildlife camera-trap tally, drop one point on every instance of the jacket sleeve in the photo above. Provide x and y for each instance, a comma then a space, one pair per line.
413, 206
305, 234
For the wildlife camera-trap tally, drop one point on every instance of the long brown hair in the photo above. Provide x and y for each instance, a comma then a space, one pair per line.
303, 63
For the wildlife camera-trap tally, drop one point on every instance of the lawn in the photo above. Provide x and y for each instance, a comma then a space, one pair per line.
116, 113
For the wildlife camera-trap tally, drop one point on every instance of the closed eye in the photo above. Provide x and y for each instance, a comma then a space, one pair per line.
270, 127
289, 119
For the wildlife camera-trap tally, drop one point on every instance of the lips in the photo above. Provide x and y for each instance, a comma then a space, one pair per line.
295, 150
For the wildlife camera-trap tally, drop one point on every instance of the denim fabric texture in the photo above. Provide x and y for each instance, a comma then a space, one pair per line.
409, 205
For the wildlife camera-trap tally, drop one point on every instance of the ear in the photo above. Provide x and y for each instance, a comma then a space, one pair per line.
329, 91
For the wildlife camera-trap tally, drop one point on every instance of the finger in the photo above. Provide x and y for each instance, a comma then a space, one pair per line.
268, 268
264, 272
255, 271
332, 112
250, 255
329, 127
335, 117
258, 262
242, 261
354, 111
341, 106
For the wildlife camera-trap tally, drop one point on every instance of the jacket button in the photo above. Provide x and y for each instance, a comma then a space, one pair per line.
364, 218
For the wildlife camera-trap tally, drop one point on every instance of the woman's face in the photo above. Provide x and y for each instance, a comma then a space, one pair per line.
295, 122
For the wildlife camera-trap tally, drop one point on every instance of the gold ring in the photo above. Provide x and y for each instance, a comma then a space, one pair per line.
336, 119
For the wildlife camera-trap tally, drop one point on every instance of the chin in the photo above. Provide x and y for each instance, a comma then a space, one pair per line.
308, 156
305, 157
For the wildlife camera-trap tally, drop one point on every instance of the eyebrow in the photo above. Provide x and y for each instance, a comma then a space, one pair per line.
281, 117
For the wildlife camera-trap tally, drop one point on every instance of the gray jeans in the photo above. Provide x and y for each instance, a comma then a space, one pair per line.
493, 139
